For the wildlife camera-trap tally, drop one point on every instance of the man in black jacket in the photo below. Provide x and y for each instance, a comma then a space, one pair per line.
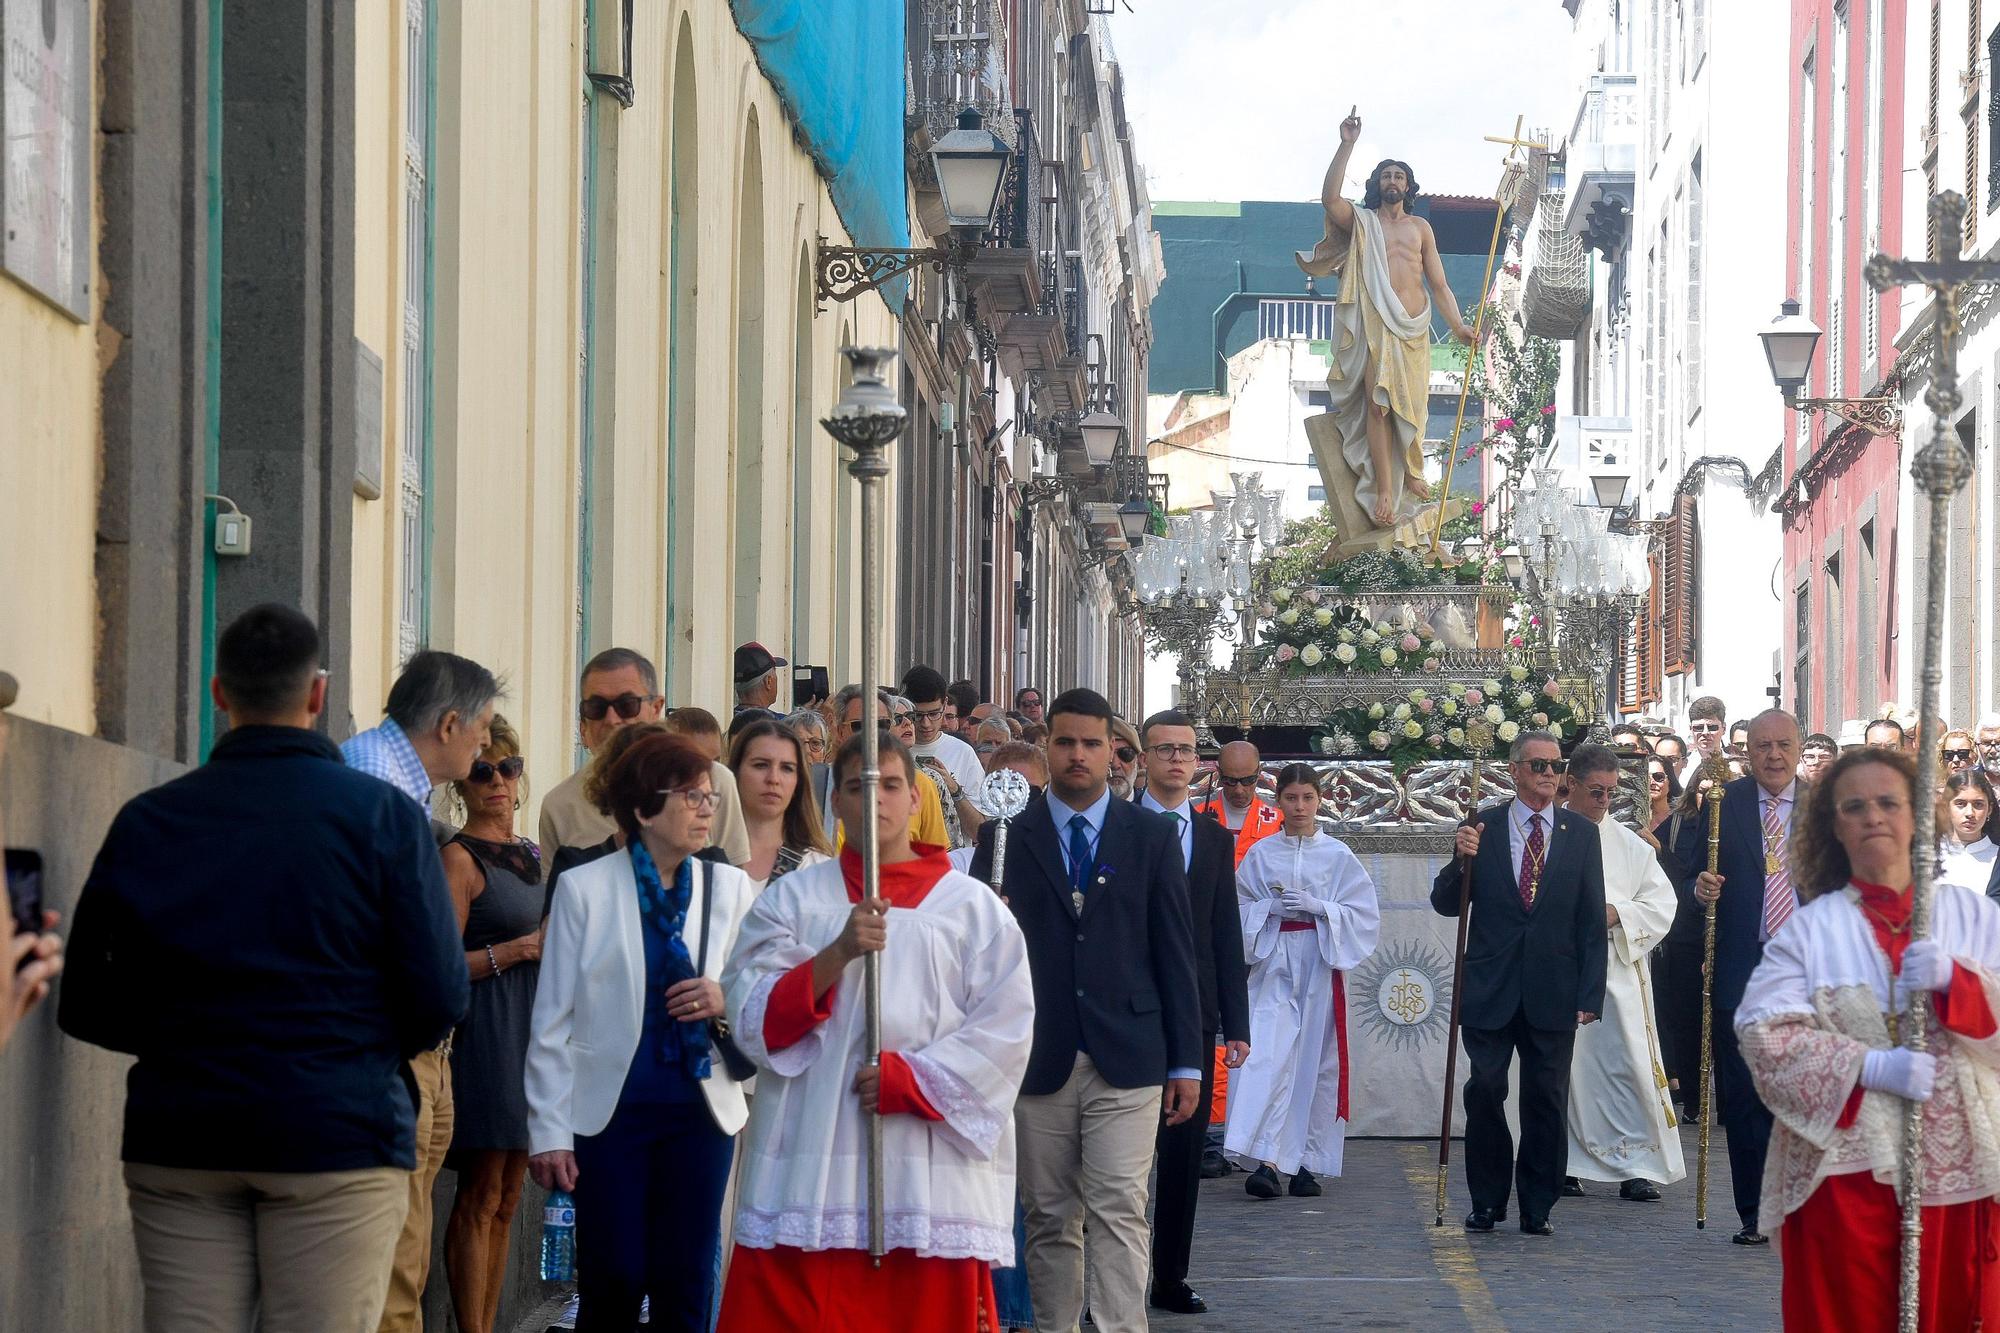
1208, 850
1534, 971
1100, 889
272, 937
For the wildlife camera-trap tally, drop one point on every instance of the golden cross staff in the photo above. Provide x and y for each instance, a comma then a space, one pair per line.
1510, 168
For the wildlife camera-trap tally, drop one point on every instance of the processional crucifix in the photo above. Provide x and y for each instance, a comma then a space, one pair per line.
1940, 470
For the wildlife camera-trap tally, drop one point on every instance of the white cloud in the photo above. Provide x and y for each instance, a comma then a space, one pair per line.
1243, 100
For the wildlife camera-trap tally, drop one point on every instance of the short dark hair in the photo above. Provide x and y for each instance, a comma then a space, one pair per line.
923, 685
1708, 708
1740, 724
1885, 722
617, 659
635, 787
965, 695
1591, 758
435, 685
1025, 689
693, 722
266, 659
1666, 736
888, 745
1822, 740
1166, 717
1371, 193
1084, 703
1291, 775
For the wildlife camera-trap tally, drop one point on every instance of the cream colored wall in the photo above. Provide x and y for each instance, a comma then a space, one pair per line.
508, 303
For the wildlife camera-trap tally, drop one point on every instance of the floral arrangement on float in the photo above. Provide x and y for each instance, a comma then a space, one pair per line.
1430, 724
1305, 632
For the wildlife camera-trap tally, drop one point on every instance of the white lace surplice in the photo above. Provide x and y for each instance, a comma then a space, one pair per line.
1817, 1004
957, 1005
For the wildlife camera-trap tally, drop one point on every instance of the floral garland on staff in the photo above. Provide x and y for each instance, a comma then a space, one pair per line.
1429, 724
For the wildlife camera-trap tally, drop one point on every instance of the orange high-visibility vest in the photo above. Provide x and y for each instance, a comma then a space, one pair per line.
1261, 821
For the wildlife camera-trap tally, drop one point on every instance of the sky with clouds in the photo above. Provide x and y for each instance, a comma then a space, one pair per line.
1242, 99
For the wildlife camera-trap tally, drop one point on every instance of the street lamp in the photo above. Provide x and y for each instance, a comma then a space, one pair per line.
1610, 489
971, 164
1133, 516
1789, 343
1101, 432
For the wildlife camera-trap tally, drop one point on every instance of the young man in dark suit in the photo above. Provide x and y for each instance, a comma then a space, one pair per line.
1100, 890
1534, 972
1753, 895
1209, 853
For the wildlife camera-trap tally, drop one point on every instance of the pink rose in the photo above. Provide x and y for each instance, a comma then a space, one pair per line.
1474, 697
1411, 643
1550, 688
1515, 642
1426, 706
1549, 411
1505, 423
1434, 740
1478, 507
1540, 719
1432, 664
1535, 621
1286, 652
1310, 596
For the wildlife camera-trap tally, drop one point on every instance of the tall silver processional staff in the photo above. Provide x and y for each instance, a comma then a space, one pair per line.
866, 419
1940, 470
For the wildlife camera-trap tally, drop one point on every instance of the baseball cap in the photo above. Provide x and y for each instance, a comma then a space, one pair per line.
753, 660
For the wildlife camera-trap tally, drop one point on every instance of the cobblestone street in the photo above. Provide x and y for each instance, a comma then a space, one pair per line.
1365, 1256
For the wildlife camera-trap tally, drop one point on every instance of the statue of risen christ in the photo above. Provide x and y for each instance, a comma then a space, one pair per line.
1385, 257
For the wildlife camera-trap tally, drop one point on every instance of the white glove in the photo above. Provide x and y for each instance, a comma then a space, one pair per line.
1908, 1074
1298, 902
1926, 967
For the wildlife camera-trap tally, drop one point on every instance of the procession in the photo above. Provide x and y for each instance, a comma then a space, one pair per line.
1000, 666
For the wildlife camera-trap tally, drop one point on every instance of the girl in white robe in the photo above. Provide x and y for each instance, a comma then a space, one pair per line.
1309, 914
1966, 851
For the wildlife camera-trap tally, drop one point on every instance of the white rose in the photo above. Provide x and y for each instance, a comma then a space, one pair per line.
1345, 654
1507, 731
1524, 701
1490, 686
1326, 745
1322, 617
1369, 638
1417, 694
1375, 712
1388, 657
1379, 739
1456, 736
1495, 714
1346, 636
1517, 673
1414, 730
1289, 616
1311, 655
1402, 713
1456, 691
1449, 708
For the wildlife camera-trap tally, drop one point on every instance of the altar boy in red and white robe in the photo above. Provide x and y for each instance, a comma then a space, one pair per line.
958, 1017
1819, 1026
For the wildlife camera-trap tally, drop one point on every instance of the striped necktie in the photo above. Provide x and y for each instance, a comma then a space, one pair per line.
1778, 897
1531, 861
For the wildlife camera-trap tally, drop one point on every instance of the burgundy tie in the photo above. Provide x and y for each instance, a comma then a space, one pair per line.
1531, 862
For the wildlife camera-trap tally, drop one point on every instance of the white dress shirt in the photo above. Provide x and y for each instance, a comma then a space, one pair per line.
1184, 812
1518, 813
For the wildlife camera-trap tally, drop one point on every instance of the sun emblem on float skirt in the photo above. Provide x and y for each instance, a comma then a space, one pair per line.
1403, 994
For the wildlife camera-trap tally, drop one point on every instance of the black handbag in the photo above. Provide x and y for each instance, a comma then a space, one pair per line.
737, 1065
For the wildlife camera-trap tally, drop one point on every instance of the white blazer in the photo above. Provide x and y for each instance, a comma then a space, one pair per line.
590, 997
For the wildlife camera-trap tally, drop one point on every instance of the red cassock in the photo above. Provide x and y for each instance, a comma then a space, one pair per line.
789, 1290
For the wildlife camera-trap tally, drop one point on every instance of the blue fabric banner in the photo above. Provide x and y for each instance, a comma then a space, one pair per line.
838, 67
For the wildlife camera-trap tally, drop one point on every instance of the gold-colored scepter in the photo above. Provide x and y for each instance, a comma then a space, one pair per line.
865, 419
1479, 741
1716, 770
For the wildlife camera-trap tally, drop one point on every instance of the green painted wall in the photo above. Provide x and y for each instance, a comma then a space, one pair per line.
1216, 250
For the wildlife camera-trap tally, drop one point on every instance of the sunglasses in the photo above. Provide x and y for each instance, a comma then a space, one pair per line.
1126, 754
1656, 776
509, 768
596, 706
1704, 728
1962, 756
1600, 793
1247, 780
900, 718
1547, 765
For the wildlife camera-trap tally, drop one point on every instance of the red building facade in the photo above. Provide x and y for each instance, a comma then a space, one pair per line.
1838, 501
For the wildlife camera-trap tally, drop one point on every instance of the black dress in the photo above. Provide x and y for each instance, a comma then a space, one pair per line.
490, 1050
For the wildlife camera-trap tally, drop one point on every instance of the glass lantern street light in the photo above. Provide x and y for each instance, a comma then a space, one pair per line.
1102, 432
1789, 343
971, 164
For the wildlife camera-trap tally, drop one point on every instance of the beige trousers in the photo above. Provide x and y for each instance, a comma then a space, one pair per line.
1084, 1153
305, 1252
436, 1114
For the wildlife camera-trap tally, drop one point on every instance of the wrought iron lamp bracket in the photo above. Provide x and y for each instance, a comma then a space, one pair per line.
843, 272
1877, 416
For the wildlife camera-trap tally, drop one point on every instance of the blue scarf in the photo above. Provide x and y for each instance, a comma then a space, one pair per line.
665, 913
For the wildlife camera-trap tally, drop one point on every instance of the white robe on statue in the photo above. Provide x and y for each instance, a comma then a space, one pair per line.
1288, 1103
1621, 1120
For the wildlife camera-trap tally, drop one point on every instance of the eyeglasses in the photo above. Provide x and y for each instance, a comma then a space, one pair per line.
702, 799
812, 746
1171, 752
1704, 728
1247, 780
929, 714
1547, 765
1858, 806
1600, 793
1962, 756
1126, 754
1989, 746
596, 706
508, 768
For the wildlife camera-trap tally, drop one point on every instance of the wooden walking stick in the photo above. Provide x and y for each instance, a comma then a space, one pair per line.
1479, 746
1716, 771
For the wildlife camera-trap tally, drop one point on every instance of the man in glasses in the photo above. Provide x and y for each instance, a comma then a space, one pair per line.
1240, 809
1534, 974
1707, 723
1221, 978
949, 761
930, 828
1886, 732
1816, 753
987, 738
1126, 771
620, 687
1621, 1119
1752, 891
1028, 703
1987, 737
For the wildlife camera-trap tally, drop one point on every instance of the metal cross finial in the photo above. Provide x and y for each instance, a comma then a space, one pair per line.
1515, 143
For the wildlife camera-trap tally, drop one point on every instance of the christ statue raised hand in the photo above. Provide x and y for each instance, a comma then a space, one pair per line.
1387, 261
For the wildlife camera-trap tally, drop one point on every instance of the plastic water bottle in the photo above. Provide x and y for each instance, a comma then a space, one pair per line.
559, 1238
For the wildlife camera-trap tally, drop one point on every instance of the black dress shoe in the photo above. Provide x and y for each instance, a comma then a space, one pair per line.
1480, 1219
1305, 1185
1639, 1191
1178, 1299
1531, 1227
1263, 1184
1214, 1166
1572, 1188
1750, 1236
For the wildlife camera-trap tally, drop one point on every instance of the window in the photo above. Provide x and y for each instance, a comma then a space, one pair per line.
1802, 637
1836, 215
1316, 493
1833, 639
1679, 580
1320, 400
1808, 171
1697, 25
1691, 376
1970, 113
1931, 125
1960, 642
1865, 667
414, 427
1873, 94
1294, 319
1992, 125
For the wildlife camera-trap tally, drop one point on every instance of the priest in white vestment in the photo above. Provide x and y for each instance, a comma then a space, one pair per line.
1621, 1121
1309, 914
